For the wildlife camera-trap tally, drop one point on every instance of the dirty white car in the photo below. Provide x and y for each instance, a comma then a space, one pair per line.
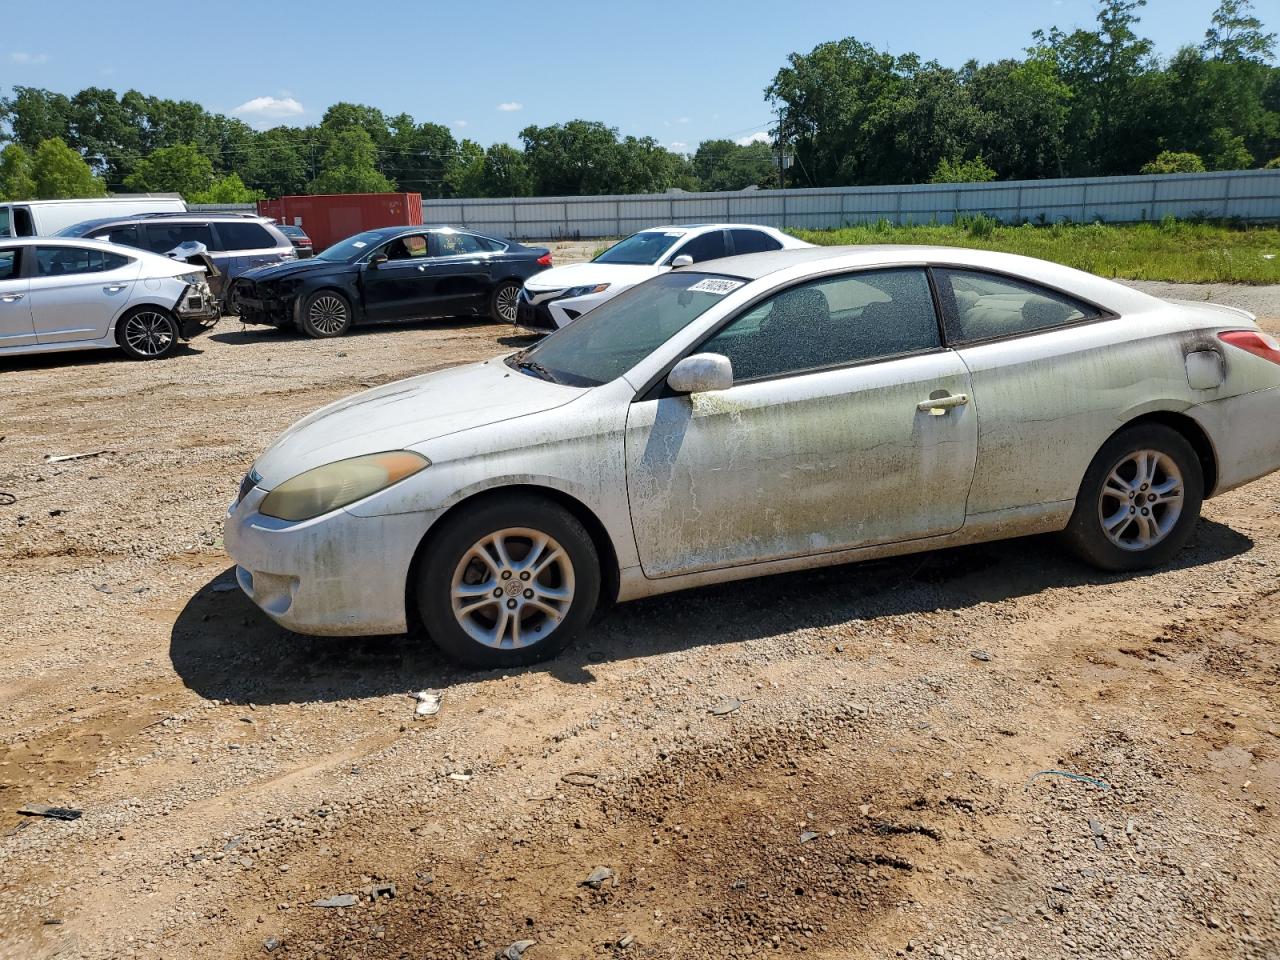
61, 294
556, 297
750, 416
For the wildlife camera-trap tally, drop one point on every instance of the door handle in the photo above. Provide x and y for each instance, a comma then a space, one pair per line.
938, 406
11, 298
113, 288
422, 269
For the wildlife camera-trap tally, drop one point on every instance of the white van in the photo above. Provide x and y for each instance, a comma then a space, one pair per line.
42, 218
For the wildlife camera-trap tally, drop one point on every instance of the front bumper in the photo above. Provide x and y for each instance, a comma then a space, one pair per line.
544, 311
269, 311
197, 310
336, 575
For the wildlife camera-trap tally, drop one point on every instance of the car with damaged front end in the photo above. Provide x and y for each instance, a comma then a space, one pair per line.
754, 415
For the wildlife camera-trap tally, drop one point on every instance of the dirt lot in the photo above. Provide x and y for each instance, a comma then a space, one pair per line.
873, 795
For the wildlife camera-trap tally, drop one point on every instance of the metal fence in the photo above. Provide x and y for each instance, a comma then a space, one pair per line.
1252, 195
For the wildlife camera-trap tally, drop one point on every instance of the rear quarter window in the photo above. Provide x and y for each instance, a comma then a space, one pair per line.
163, 237
986, 306
245, 236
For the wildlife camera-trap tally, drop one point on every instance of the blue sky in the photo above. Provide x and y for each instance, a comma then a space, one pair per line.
680, 72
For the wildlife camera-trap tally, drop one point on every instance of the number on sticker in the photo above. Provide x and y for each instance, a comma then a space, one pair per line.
718, 287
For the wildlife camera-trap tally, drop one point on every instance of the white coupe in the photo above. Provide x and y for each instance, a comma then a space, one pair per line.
560, 295
753, 415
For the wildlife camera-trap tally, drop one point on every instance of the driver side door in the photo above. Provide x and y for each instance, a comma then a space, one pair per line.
403, 286
820, 445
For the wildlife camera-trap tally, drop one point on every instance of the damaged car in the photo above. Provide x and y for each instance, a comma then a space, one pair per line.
753, 415
391, 274
64, 294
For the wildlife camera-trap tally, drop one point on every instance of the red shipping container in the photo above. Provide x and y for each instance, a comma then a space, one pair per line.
330, 218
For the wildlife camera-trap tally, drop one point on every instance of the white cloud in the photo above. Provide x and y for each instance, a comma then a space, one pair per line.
760, 137
461, 123
683, 120
270, 108
679, 146
511, 106
20, 56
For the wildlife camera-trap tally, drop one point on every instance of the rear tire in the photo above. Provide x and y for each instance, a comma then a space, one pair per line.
325, 314
508, 582
148, 333
1139, 501
504, 300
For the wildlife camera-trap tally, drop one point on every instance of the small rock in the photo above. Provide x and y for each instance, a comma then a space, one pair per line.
1187, 731
516, 950
341, 900
597, 878
626, 941
1097, 828
271, 943
725, 707
807, 836
980, 655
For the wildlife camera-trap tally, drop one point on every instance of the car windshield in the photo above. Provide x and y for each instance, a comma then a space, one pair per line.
641, 248
615, 336
353, 248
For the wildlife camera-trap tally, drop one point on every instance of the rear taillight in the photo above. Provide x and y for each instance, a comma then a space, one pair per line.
1254, 341
544, 260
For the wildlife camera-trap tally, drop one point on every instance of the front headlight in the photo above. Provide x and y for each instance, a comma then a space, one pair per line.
337, 484
585, 291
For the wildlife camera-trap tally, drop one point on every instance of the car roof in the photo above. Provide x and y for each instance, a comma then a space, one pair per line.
709, 226
803, 261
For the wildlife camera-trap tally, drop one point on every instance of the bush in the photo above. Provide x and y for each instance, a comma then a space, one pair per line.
1170, 161
1272, 164
977, 224
962, 171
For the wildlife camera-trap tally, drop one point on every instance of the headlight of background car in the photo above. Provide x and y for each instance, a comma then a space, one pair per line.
337, 484
584, 291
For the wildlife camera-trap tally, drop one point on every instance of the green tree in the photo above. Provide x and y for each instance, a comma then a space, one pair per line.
178, 169
962, 171
228, 189
61, 173
572, 159
504, 173
417, 155
1235, 35
725, 165
1026, 106
36, 115
464, 176
17, 173
278, 161
1167, 161
1272, 164
350, 165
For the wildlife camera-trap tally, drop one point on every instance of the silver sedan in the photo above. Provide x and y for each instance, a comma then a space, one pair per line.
754, 415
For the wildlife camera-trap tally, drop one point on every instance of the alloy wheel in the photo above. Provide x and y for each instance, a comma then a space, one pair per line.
1141, 500
512, 588
328, 314
148, 333
507, 300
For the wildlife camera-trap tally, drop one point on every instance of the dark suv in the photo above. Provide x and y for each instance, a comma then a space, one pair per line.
236, 242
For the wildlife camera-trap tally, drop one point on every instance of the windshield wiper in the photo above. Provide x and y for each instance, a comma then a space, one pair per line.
533, 366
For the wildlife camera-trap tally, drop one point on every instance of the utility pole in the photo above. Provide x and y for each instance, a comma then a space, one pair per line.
782, 182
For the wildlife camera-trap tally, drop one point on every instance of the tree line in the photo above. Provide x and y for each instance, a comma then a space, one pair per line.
1088, 102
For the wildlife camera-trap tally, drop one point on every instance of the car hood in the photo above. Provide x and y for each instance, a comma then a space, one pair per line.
407, 412
294, 268
589, 274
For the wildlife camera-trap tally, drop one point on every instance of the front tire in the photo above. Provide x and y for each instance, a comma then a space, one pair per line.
148, 333
325, 314
1139, 501
508, 582
504, 301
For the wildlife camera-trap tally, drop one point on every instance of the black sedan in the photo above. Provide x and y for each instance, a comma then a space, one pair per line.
394, 273
298, 237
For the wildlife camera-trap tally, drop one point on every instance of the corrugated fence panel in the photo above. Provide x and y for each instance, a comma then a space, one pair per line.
1248, 194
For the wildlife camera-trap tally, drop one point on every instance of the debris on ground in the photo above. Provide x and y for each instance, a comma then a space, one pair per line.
597, 878
428, 703
51, 813
516, 950
64, 458
341, 900
581, 779
1093, 781
626, 940
724, 707
7, 499
270, 944
808, 835
980, 655
381, 890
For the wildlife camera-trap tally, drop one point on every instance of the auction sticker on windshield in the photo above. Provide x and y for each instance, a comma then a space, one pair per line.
718, 287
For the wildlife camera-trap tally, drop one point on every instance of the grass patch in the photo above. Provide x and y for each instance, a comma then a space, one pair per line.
1173, 250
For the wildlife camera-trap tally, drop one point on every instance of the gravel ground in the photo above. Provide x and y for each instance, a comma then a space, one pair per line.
865, 786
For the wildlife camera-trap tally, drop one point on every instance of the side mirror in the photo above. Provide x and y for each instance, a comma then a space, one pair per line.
684, 260
701, 373
377, 260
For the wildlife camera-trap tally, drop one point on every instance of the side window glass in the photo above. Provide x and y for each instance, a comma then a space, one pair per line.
163, 237
980, 306
244, 236
412, 247
489, 246
62, 261
125, 235
853, 318
9, 264
709, 246
456, 244
752, 241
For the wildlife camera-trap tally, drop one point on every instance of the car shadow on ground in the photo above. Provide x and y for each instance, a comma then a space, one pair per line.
224, 648
90, 357
231, 330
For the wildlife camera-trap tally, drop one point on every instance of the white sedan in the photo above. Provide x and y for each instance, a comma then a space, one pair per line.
754, 415
560, 295
70, 294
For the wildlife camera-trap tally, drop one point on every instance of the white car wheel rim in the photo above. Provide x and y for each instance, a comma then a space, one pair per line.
148, 333
328, 314
507, 297
1141, 500
512, 588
